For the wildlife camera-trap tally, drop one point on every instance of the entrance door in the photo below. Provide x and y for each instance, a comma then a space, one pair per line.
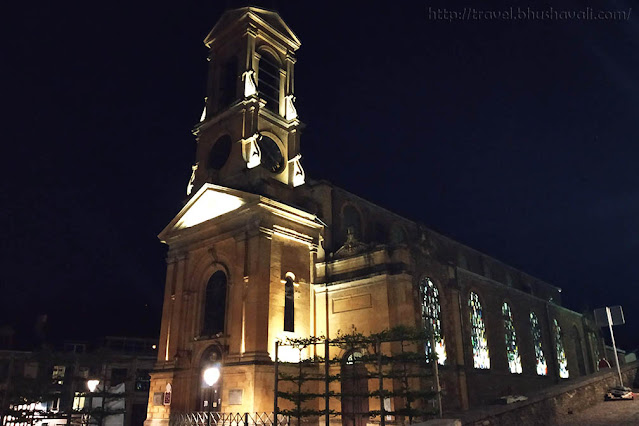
354, 391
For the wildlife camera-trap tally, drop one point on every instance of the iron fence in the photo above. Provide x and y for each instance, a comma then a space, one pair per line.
204, 418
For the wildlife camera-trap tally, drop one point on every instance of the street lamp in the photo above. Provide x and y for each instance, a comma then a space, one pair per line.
211, 376
92, 385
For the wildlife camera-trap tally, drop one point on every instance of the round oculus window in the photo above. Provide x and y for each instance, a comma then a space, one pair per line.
220, 152
272, 158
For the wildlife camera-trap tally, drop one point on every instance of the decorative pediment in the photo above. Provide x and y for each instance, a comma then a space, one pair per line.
266, 18
210, 202
214, 202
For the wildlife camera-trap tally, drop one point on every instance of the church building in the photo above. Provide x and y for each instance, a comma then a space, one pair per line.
262, 252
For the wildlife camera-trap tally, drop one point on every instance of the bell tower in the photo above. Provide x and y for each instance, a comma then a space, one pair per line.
249, 133
240, 263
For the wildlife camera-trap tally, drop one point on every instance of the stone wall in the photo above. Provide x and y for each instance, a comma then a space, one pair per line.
544, 407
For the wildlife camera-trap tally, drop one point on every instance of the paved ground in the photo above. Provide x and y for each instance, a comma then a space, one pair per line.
606, 413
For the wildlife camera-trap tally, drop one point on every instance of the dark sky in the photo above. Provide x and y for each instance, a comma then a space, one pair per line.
518, 138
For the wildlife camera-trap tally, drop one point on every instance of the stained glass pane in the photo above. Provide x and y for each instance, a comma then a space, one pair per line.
595, 348
542, 366
561, 354
481, 358
431, 311
512, 350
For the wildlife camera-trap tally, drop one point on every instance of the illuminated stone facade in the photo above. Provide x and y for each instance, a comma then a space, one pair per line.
289, 247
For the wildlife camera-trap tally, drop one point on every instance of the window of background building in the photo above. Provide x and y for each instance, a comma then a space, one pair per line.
512, 350
78, 401
58, 373
431, 311
31, 370
142, 380
481, 357
118, 375
542, 366
83, 372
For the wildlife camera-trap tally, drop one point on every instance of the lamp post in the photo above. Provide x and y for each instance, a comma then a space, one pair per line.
211, 376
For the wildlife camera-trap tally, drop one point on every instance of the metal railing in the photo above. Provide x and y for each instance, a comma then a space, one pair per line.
201, 418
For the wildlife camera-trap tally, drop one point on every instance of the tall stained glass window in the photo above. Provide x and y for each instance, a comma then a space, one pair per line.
542, 366
595, 349
512, 350
481, 358
561, 354
431, 311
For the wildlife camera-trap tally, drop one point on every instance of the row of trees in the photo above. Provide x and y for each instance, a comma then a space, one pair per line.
392, 365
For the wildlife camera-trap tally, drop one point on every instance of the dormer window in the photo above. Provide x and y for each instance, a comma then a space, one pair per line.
268, 84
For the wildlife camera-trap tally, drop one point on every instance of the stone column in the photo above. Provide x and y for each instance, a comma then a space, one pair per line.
257, 298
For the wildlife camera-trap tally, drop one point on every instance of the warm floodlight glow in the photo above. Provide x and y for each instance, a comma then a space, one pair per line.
289, 354
211, 204
211, 376
93, 385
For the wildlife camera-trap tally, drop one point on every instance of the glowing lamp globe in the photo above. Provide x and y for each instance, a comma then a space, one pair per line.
211, 376
93, 385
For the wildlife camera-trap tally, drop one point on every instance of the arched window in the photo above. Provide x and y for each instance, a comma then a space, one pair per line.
535, 329
481, 357
581, 364
220, 152
269, 81
512, 350
431, 311
352, 357
595, 349
228, 82
289, 303
215, 305
397, 234
352, 219
562, 362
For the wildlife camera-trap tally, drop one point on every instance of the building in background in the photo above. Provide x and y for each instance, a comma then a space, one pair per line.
50, 387
261, 252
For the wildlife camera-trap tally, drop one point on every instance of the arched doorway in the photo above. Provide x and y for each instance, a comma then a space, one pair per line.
210, 396
580, 353
354, 390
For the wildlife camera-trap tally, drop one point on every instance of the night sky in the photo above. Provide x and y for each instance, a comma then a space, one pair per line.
517, 138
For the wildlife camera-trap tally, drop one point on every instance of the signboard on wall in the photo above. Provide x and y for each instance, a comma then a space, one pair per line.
167, 394
235, 396
158, 398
